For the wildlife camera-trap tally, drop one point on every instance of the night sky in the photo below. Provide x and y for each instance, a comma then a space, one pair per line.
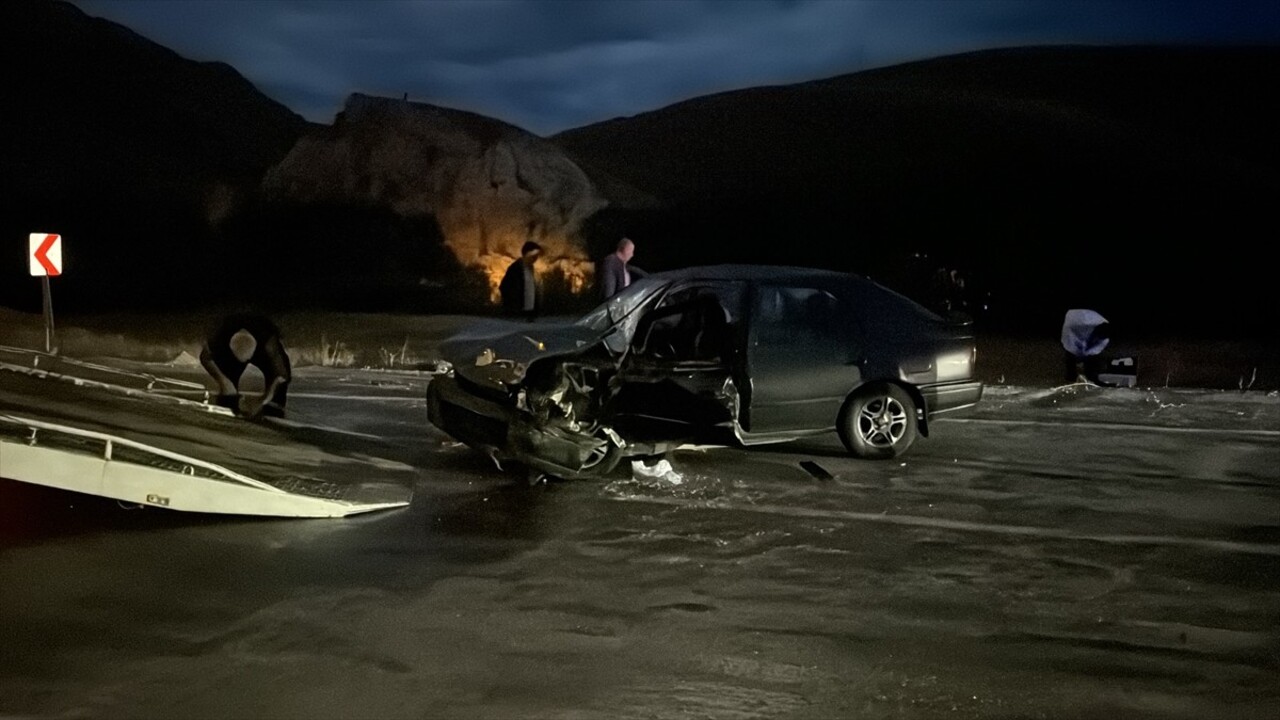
551, 65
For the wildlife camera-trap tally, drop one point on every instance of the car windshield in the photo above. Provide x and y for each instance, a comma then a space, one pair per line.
621, 307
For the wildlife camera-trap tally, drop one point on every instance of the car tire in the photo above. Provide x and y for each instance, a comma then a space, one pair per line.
607, 458
878, 422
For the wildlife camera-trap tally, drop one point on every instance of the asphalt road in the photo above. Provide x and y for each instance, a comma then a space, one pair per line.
1057, 553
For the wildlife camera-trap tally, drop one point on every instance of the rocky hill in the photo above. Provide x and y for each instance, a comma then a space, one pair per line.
488, 185
177, 183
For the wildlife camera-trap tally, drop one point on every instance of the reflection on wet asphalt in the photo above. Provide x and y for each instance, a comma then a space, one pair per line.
1051, 555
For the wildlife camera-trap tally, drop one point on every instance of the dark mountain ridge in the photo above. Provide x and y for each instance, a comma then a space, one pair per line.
1049, 176
1210, 102
132, 152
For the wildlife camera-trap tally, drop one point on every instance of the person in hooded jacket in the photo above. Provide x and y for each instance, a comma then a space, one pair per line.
1085, 334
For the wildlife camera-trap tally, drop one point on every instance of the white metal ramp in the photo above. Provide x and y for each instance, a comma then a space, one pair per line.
96, 463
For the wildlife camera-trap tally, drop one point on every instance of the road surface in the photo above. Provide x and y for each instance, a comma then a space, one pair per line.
1060, 553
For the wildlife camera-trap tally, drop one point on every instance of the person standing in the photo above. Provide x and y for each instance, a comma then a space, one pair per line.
615, 270
519, 286
241, 340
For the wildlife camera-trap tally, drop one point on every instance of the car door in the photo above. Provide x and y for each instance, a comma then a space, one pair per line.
801, 357
672, 385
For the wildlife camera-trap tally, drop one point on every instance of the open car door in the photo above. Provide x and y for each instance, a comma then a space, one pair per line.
677, 382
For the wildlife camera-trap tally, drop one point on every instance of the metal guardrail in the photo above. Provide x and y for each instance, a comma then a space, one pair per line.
42, 365
36, 356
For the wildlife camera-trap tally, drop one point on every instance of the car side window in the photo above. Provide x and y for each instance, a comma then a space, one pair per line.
795, 315
692, 323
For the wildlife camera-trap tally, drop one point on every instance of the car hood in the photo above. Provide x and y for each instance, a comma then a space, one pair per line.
493, 356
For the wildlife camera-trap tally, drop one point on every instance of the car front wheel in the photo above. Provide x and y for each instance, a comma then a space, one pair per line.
878, 422
601, 457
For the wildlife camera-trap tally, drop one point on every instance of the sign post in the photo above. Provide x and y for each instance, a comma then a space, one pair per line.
45, 260
48, 315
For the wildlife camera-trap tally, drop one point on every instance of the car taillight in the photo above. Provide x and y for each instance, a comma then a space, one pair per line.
956, 365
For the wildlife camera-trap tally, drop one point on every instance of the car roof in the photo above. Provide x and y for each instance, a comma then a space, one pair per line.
791, 275
755, 272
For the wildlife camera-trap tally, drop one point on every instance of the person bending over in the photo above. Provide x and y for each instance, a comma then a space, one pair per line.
239, 341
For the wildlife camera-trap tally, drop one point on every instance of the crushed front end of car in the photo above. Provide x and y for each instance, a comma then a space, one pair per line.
539, 394
542, 409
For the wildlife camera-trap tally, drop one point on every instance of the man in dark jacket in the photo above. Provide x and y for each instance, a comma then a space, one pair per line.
615, 270
519, 286
239, 341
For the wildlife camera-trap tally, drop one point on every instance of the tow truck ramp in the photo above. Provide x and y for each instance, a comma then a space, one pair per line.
69, 458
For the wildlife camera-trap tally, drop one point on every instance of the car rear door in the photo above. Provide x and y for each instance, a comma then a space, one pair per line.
801, 357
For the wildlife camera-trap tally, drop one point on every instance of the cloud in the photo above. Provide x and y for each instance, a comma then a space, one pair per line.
547, 65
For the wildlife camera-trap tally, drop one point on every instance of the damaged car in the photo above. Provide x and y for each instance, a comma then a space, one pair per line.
721, 355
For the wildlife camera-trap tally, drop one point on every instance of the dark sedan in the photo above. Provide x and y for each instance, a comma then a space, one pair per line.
728, 354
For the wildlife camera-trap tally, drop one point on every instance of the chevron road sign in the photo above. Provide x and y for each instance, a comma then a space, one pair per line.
45, 255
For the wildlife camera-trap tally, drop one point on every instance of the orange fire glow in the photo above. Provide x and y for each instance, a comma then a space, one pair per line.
578, 272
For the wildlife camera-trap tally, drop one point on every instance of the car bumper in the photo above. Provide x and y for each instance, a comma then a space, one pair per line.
502, 430
470, 419
949, 397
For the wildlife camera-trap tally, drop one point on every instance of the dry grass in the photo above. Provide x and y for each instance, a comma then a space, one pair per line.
329, 340
408, 341
1214, 364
